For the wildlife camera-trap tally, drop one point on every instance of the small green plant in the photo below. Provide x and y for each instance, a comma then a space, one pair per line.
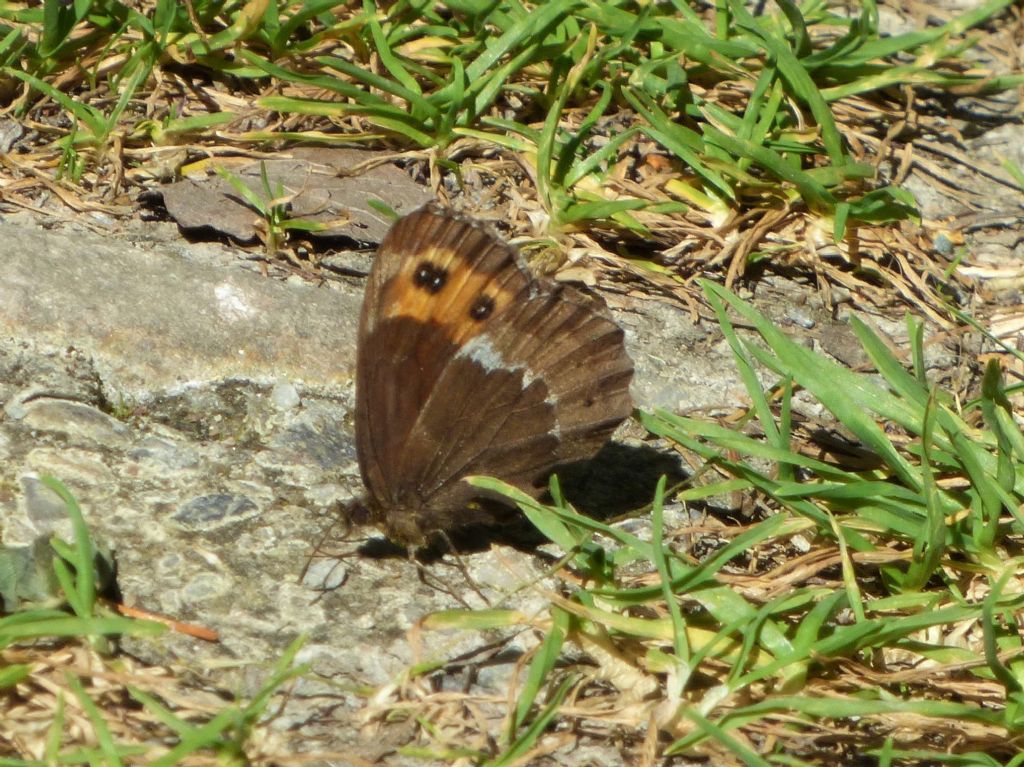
226, 734
273, 205
75, 570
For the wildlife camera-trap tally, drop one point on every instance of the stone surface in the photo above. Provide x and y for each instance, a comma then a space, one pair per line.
152, 323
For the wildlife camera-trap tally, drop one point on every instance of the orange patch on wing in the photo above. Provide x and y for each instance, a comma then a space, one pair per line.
450, 307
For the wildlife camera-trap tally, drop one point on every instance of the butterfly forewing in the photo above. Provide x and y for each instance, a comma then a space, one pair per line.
432, 271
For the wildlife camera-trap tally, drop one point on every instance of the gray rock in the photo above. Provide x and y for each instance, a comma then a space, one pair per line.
209, 512
81, 467
285, 396
78, 422
166, 322
42, 508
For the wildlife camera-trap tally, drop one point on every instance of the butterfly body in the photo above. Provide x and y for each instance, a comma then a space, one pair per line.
467, 364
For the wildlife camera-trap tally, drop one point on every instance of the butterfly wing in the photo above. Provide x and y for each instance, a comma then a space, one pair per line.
425, 286
468, 365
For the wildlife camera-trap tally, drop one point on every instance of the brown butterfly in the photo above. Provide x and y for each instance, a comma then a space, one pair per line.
467, 365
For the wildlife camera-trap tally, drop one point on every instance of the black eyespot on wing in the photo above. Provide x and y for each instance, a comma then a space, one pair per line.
430, 277
482, 308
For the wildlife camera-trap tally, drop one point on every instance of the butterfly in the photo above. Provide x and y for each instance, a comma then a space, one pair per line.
468, 364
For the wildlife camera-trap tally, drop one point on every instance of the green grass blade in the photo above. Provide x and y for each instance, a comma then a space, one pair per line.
529, 737
100, 730
680, 646
929, 547
84, 590
541, 666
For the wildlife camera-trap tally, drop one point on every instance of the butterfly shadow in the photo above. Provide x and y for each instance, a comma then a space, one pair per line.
615, 483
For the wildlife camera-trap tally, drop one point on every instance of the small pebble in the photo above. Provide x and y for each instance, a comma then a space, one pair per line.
325, 574
285, 396
800, 318
800, 543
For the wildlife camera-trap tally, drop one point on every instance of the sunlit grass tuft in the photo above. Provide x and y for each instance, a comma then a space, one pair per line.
762, 139
874, 608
